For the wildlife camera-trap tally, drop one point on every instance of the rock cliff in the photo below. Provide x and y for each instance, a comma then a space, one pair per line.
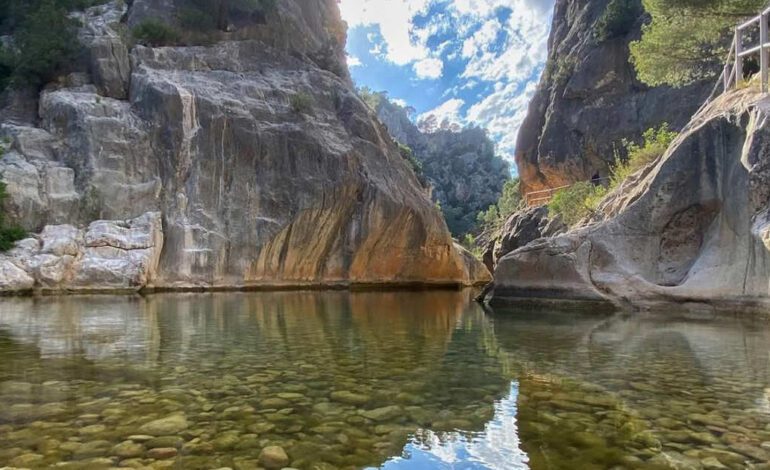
694, 226
461, 166
589, 99
264, 165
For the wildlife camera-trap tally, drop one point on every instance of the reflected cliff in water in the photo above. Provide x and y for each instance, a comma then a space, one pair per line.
356, 380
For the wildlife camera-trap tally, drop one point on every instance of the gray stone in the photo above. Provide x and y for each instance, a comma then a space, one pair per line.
172, 424
13, 278
273, 457
674, 229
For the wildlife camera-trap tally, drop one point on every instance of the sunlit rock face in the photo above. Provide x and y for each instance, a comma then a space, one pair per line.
692, 226
589, 99
264, 164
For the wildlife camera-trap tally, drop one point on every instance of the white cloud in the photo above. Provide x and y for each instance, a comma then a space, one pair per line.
429, 68
502, 113
449, 110
501, 53
395, 21
399, 102
354, 61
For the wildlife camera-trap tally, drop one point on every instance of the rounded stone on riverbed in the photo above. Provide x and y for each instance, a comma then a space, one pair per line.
170, 425
273, 458
162, 453
127, 450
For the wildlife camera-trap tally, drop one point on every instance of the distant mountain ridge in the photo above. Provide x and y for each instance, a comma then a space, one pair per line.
461, 165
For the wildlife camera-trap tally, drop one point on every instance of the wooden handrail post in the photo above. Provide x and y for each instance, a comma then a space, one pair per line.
762, 51
726, 77
738, 58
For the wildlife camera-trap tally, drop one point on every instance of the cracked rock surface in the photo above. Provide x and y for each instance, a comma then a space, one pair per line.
251, 189
692, 226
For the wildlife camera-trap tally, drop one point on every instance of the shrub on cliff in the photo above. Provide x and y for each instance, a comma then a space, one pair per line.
576, 202
155, 33
301, 102
509, 202
44, 40
654, 144
687, 40
8, 234
408, 155
617, 19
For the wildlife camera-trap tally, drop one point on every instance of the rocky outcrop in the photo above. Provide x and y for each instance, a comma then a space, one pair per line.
693, 226
264, 165
107, 255
519, 229
460, 165
589, 99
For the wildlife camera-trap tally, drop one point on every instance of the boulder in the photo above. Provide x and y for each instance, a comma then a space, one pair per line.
692, 226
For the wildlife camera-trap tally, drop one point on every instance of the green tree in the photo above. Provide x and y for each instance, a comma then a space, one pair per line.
617, 19
46, 43
687, 40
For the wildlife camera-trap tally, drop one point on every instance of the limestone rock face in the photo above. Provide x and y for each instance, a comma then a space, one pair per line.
107, 255
521, 228
460, 165
589, 99
252, 188
692, 226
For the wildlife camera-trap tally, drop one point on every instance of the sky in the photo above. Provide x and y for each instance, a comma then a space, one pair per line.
470, 61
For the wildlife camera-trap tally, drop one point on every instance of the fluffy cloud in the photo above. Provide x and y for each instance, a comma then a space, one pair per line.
395, 21
498, 45
502, 113
428, 68
449, 110
354, 61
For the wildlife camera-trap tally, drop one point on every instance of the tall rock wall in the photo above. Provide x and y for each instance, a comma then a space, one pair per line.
589, 99
693, 226
460, 165
265, 166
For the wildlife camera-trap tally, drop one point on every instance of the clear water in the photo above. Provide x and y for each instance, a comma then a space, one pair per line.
397, 380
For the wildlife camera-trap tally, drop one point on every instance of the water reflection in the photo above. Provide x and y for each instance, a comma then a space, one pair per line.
398, 380
496, 447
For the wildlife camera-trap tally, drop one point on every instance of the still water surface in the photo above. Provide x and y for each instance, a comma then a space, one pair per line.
397, 380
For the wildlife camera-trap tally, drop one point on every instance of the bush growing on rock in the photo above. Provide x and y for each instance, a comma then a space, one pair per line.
155, 33
576, 202
44, 40
617, 19
301, 102
581, 199
8, 234
654, 144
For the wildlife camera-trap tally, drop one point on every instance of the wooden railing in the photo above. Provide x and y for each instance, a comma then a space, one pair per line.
732, 74
544, 196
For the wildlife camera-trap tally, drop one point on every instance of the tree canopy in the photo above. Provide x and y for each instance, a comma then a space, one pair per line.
687, 40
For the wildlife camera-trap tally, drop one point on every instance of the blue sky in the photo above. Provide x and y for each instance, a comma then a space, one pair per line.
469, 61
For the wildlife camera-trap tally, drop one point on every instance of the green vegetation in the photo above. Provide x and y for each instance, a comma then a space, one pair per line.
687, 40
44, 39
581, 199
155, 33
416, 164
371, 98
8, 234
559, 71
617, 19
576, 202
509, 202
654, 144
470, 243
301, 102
